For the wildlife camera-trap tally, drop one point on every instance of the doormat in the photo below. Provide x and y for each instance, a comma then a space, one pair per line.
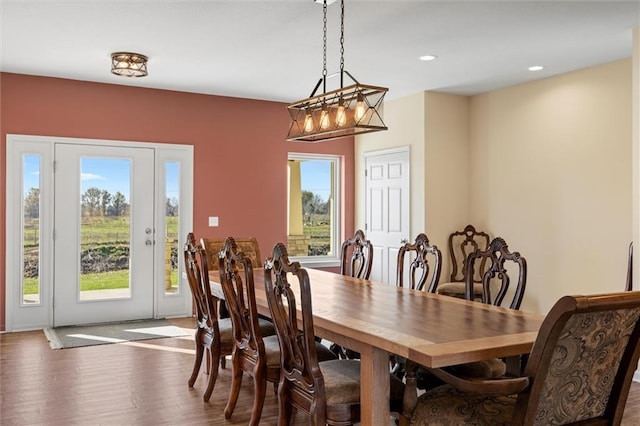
103, 334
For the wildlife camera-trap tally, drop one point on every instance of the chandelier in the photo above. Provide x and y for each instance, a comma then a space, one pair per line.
127, 64
349, 110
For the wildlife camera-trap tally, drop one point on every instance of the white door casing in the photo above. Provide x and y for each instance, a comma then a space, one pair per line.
387, 217
29, 316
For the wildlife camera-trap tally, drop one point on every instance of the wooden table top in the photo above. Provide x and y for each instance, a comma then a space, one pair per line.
433, 330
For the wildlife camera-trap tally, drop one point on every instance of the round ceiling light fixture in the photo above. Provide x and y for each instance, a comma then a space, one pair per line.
128, 64
427, 57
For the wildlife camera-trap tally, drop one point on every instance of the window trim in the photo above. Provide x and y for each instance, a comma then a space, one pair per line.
334, 259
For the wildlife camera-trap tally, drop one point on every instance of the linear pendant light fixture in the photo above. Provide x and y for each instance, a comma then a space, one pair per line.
350, 110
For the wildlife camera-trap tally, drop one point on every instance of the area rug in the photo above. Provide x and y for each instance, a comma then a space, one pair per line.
103, 334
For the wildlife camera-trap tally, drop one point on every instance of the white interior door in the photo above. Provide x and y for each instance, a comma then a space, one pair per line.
386, 209
103, 234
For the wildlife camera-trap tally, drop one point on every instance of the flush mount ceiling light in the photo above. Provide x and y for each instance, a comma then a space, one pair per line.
350, 110
127, 64
427, 57
536, 68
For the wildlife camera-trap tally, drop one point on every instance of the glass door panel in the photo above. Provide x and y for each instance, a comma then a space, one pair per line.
105, 224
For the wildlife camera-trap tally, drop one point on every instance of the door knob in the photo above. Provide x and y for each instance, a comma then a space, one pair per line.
147, 231
404, 241
148, 243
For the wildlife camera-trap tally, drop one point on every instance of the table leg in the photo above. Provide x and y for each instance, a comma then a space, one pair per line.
374, 386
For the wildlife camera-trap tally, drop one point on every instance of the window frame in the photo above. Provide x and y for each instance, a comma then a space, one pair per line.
332, 260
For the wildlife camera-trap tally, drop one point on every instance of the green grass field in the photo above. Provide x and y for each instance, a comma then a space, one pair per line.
95, 232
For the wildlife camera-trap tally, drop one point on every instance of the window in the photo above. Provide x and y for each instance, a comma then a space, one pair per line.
31, 207
313, 208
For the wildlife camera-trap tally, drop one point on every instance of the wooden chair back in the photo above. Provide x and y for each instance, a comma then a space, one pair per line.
498, 265
356, 256
249, 246
249, 354
419, 268
302, 384
197, 270
461, 244
583, 361
212, 336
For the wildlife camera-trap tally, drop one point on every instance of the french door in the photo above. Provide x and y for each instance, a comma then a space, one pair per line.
104, 234
94, 230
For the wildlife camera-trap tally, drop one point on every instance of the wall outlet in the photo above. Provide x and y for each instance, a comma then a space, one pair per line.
213, 221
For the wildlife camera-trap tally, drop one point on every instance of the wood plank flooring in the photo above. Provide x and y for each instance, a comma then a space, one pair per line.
137, 383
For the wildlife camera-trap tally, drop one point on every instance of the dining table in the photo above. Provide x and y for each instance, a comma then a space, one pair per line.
378, 320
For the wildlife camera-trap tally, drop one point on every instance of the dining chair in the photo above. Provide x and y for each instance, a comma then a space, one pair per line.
629, 286
420, 270
461, 244
419, 267
255, 346
213, 335
356, 256
497, 265
248, 245
356, 260
326, 391
579, 372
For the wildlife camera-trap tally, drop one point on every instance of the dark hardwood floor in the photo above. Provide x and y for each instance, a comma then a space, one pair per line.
136, 383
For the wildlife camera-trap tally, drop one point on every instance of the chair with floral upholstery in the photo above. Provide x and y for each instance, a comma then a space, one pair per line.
579, 372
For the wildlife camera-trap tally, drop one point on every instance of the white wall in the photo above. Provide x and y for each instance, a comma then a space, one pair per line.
551, 173
549, 170
405, 120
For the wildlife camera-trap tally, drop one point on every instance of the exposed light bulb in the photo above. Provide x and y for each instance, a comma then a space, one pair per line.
324, 118
341, 115
308, 122
360, 108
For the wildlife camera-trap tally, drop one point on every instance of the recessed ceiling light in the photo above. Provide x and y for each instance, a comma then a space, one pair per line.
536, 68
427, 57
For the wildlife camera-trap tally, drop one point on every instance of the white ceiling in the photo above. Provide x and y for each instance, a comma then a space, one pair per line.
272, 49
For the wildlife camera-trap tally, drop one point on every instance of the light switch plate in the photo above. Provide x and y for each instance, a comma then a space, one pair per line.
213, 221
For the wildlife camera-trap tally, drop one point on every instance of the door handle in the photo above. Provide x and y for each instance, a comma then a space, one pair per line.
404, 241
148, 243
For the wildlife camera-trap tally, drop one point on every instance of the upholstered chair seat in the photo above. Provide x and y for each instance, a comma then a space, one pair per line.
447, 406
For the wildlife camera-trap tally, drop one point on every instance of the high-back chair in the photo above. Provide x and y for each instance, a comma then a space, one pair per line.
356, 260
419, 267
356, 256
254, 354
328, 391
213, 334
498, 266
247, 245
461, 244
579, 372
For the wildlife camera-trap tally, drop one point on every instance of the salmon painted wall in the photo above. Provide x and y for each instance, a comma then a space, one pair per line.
240, 152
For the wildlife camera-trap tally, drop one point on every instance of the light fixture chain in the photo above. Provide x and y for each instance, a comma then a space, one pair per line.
324, 40
341, 36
